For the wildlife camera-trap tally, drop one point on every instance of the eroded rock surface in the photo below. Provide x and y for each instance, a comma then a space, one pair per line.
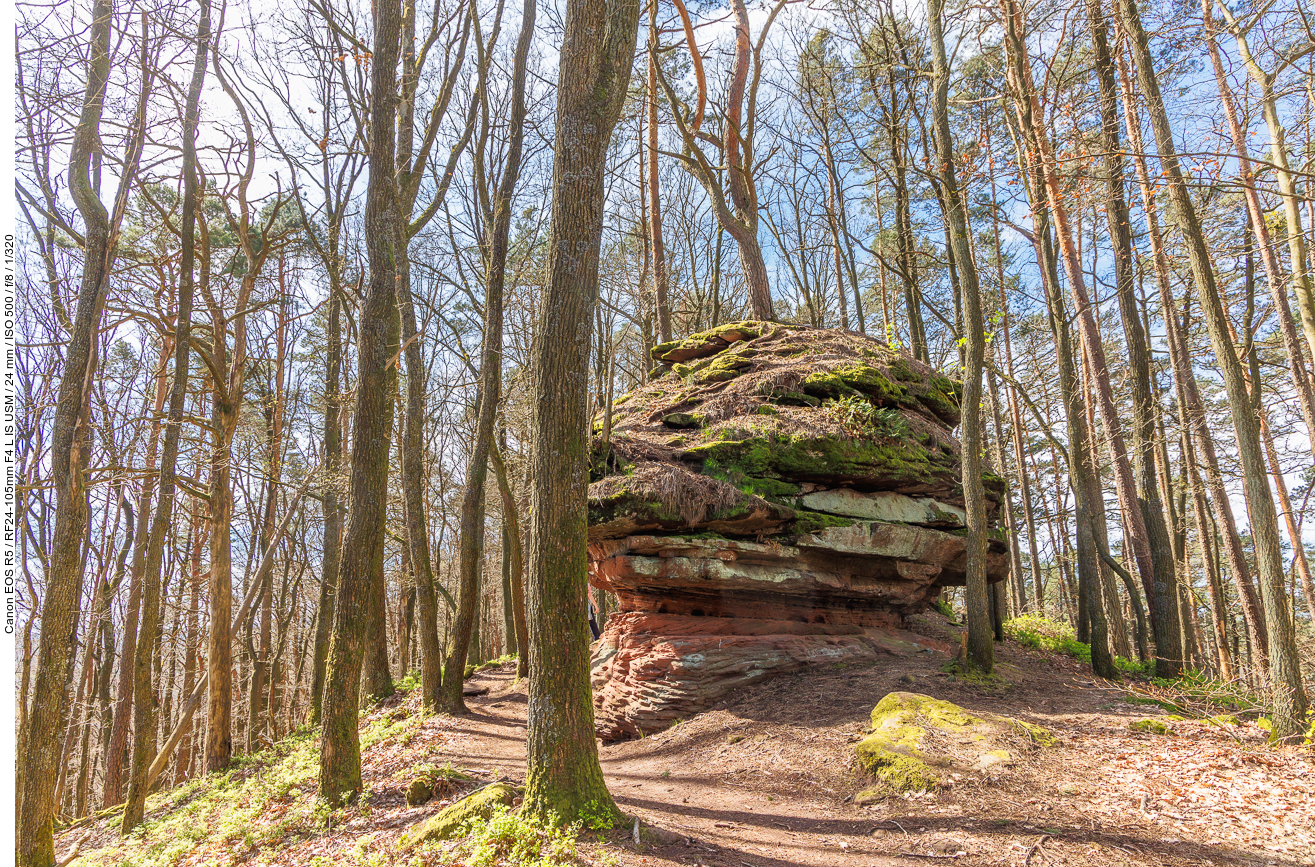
780, 497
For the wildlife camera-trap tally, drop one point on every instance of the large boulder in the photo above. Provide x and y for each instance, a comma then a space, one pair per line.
771, 478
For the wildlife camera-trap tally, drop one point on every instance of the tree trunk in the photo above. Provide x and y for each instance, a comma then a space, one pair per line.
516, 561
1189, 396
1148, 502
471, 544
377, 327
661, 303
39, 738
981, 649
143, 749
1288, 694
563, 774
331, 554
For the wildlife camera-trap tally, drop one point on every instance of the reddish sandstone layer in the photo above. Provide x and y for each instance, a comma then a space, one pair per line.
653, 669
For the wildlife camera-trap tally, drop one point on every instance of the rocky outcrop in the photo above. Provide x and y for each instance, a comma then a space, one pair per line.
779, 497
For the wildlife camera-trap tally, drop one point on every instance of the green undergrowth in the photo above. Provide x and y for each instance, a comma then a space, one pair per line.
264, 803
1040, 632
510, 839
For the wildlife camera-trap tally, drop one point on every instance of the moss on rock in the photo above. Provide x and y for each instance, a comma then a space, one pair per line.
448, 822
895, 751
1151, 727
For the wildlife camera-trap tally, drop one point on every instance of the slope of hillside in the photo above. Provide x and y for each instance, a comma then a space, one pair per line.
768, 779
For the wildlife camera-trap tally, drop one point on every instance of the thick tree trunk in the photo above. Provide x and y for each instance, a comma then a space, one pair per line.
563, 774
39, 737
377, 327
331, 553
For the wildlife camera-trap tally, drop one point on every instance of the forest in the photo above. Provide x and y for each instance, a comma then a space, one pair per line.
318, 305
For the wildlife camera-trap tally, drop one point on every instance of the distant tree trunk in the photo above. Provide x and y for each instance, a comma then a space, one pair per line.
1289, 702
1189, 396
1081, 473
515, 562
1011, 522
1027, 106
1143, 428
981, 650
661, 302
377, 347
1204, 535
190, 647
471, 543
413, 491
1283, 176
563, 774
1297, 368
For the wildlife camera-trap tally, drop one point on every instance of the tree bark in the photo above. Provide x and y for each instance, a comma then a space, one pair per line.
563, 774
377, 327
39, 738
331, 554
981, 648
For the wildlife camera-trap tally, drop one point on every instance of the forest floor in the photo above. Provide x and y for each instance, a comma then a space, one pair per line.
768, 778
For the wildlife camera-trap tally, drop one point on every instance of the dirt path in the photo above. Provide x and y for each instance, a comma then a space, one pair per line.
768, 779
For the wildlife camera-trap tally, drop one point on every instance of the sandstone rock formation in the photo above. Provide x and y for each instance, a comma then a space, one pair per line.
779, 497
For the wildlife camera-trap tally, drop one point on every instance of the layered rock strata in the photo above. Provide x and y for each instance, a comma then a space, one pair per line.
779, 497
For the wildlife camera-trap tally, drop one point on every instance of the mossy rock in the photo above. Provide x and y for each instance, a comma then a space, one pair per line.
419, 791
706, 343
878, 461
1151, 727
1039, 735
448, 822
813, 522
683, 420
896, 753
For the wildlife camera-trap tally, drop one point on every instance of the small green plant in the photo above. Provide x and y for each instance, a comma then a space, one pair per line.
597, 816
510, 839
